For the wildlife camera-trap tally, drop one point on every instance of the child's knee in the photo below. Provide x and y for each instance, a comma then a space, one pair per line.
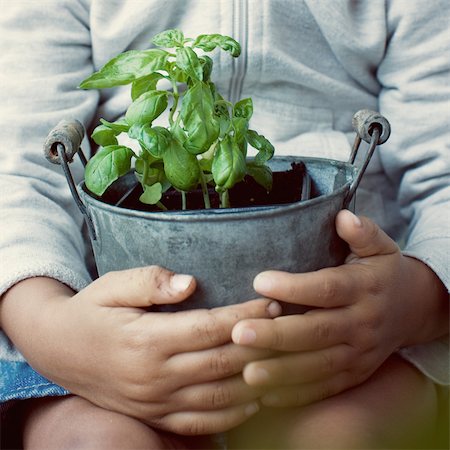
74, 423
395, 407
333, 432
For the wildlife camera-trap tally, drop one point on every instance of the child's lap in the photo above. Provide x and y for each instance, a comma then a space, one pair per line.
397, 402
397, 406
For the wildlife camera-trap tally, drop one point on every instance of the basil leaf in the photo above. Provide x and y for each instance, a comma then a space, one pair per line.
205, 164
144, 84
188, 62
176, 73
228, 167
181, 167
223, 116
208, 42
126, 68
198, 118
169, 38
261, 174
243, 108
240, 127
119, 126
155, 140
152, 194
146, 107
207, 66
103, 136
263, 145
178, 133
155, 171
106, 166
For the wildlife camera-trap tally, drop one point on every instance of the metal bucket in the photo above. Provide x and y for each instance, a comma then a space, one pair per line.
226, 248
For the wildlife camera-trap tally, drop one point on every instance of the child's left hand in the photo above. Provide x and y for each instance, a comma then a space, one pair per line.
366, 309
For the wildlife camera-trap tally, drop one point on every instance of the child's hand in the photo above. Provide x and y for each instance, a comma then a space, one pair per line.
176, 371
375, 303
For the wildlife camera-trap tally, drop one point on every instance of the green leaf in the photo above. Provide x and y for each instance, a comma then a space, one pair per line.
240, 127
197, 113
119, 126
181, 167
152, 194
155, 140
263, 145
144, 84
146, 107
103, 136
205, 165
243, 108
261, 174
178, 133
175, 72
222, 114
208, 42
106, 166
126, 68
207, 66
188, 62
169, 39
228, 167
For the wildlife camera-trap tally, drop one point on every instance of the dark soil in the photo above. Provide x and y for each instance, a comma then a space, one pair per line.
287, 188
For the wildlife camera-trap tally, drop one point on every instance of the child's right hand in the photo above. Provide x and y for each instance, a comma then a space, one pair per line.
176, 371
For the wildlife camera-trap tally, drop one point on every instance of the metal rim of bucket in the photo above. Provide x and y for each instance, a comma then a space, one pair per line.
239, 213
64, 141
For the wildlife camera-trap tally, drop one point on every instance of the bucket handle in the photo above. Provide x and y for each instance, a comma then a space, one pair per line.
373, 128
60, 146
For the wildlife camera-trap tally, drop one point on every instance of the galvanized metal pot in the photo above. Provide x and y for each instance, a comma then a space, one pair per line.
226, 248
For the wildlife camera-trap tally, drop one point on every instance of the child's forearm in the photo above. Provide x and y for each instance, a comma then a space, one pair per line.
429, 313
27, 313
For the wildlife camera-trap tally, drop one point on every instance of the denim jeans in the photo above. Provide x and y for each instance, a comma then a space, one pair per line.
18, 380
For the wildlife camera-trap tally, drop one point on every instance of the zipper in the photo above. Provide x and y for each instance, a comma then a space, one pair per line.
240, 33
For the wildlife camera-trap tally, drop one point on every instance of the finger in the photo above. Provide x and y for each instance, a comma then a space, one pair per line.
364, 237
141, 287
327, 288
194, 423
214, 364
304, 394
295, 368
188, 331
216, 395
313, 331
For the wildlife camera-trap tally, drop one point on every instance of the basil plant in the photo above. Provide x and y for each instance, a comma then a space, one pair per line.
206, 137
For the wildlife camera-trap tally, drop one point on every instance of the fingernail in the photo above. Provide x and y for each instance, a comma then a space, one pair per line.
274, 309
251, 409
260, 376
246, 336
262, 283
180, 282
357, 221
270, 399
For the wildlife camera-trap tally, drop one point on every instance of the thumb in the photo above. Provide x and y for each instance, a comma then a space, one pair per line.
364, 237
141, 287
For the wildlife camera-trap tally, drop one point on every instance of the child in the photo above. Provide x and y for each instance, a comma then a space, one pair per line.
363, 369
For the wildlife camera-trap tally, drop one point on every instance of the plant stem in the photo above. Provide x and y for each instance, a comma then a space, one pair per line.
175, 101
161, 206
183, 200
145, 172
204, 190
224, 199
